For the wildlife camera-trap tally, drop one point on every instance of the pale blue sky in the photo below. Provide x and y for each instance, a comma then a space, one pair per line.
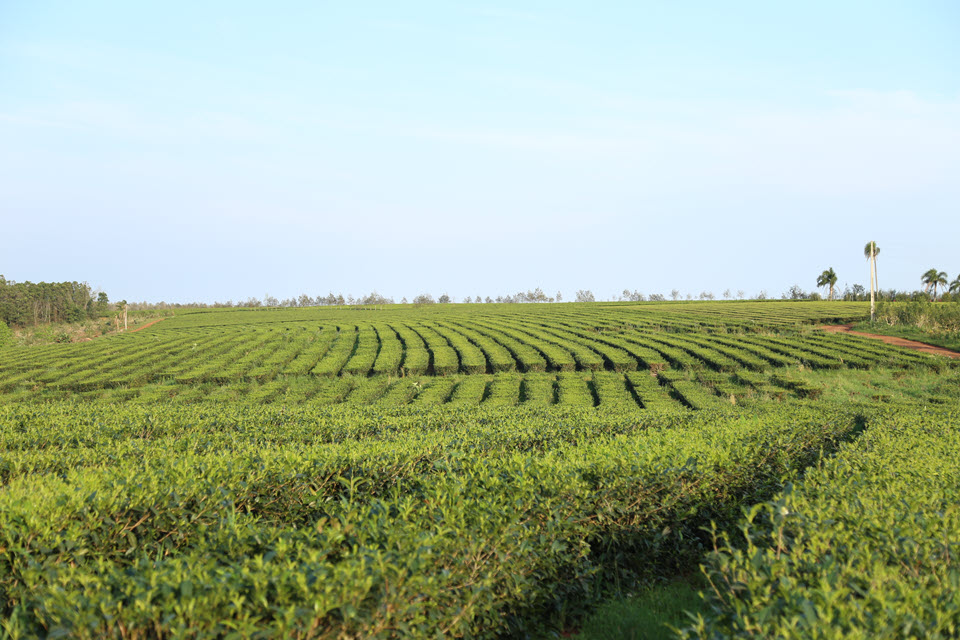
218, 150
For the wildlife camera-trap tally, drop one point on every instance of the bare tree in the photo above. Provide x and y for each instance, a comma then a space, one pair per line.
585, 296
674, 293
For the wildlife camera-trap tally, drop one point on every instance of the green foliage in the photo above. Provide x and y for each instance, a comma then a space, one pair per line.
29, 304
865, 546
933, 279
119, 521
458, 471
929, 317
827, 279
340, 352
6, 336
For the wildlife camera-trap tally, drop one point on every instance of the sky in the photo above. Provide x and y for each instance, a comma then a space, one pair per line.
213, 151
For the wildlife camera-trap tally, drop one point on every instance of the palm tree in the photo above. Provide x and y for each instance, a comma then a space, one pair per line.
955, 285
934, 278
827, 279
870, 252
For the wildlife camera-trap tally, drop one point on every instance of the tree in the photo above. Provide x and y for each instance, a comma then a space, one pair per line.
585, 296
933, 278
870, 251
794, 293
30, 304
444, 299
375, 298
103, 304
828, 279
955, 285
674, 293
121, 309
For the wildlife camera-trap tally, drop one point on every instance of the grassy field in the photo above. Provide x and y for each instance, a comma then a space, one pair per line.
480, 471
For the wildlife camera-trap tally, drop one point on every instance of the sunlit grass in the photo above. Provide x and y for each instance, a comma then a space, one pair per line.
651, 614
883, 385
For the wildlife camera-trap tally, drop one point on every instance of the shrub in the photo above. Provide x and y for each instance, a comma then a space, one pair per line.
6, 336
922, 314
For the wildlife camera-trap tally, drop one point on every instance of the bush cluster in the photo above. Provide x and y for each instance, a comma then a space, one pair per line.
865, 546
932, 317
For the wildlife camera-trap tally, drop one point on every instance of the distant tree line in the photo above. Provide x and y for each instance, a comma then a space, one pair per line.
372, 299
859, 293
531, 296
24, 304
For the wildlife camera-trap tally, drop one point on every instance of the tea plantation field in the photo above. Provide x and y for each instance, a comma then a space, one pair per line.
478, 471
693, 355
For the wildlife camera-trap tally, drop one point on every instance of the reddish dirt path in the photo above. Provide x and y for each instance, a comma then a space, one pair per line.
153, 322
895, 341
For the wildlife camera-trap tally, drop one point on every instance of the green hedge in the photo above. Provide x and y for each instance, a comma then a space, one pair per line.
867, 545
211, 520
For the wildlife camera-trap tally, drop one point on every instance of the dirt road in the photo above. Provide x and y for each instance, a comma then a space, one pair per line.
893, 340
149, 324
